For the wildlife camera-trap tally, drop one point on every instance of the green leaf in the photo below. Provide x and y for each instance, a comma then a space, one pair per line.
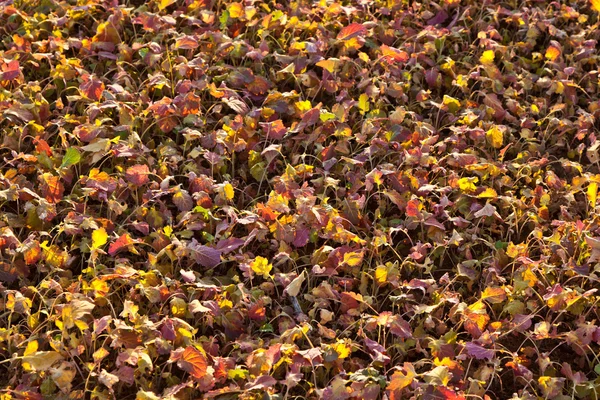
71, 157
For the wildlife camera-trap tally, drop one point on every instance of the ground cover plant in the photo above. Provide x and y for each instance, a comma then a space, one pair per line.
299, 200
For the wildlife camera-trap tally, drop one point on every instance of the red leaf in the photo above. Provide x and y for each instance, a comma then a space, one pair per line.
351, 31
122, 242
448, 394
92, 88
412, 208
193, 362
10, 71
137, 174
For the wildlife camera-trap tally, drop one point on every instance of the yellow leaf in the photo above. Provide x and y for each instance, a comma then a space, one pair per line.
100, 354
494, 294
488, 193
592, 193
495, 137
452, 103
476, 313
100, 287
261, 266
529, 277
595, 5
32, 347
236, 10
515, 250
178, 307
363, 103
228, 190
237, 373
487, 57
401, 379
42, 360
468, 184
99, 238
164, 4
329, 65
353, 259
381, 274
303, 106
342, 348
33, 320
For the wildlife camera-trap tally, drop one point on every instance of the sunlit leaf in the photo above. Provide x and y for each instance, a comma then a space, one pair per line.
194, 362
495, 137
261, 266
99, 238
487, 58
71, 157
350, 31
42, 360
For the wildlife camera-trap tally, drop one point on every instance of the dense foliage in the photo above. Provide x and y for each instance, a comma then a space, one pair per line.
299, 200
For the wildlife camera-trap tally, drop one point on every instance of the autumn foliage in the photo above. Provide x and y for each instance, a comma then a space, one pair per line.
333, 200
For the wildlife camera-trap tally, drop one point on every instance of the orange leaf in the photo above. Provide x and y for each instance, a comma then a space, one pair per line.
552, 53
412, 208
351, 31
595, 5
193, 362
400, 380
493, 294
32, 252
53, 188
393, 54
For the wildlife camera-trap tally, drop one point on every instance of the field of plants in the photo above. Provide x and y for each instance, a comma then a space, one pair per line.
334, 199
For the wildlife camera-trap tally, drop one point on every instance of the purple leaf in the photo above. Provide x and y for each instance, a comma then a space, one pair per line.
204, 255
230, 244
479, 352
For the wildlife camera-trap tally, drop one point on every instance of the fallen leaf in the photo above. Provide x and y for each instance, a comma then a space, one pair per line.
351, 31
193, 362
137, 174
